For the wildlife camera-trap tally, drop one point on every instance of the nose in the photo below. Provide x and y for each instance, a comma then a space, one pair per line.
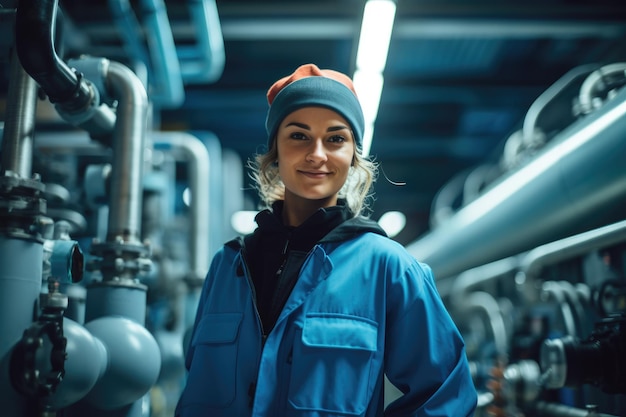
317, 152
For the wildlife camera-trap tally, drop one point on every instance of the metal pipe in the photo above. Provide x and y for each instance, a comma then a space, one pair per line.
485, 302
129, 29
197, 155
483, 274
539, 105
19, 128
168, 90
599, 83
128, 146
551, 289
546, 409
533, 262
205, 61
560, 193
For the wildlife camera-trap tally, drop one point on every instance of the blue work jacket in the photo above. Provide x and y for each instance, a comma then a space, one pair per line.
360, 309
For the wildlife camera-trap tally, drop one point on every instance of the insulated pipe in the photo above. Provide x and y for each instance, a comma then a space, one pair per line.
34, 37
17, 141
576, 184
75, 98
128, 146
196, 153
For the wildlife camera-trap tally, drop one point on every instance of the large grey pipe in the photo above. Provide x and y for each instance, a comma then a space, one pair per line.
128, 146
576, 184
17, 142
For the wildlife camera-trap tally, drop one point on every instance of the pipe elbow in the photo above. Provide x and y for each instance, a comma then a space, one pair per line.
134, 362
34, 27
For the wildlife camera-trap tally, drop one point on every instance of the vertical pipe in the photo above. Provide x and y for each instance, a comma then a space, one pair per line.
128, 146
169, 90
17, 142
197, 155
21, 263
105, 300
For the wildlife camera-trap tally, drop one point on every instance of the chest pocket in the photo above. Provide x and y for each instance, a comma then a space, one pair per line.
332, 364
212, 376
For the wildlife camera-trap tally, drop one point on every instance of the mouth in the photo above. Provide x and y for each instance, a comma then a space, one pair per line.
315, 174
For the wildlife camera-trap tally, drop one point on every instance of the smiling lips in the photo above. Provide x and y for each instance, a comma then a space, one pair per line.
314, 174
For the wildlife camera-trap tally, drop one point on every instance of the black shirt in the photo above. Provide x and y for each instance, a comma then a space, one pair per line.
275, 252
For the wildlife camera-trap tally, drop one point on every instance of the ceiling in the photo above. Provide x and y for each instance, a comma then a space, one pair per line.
459, 78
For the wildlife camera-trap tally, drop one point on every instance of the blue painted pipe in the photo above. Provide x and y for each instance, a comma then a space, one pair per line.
21, 264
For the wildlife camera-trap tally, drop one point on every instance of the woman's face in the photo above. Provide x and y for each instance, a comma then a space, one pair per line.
315, 151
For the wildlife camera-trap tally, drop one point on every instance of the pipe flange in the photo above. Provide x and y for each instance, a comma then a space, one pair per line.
12, 183
119, 260
120, 248
22, 208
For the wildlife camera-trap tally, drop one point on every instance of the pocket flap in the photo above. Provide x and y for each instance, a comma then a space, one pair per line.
340, 331
217, 328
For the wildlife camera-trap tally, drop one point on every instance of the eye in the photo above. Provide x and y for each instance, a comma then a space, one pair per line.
298, 136
337, 139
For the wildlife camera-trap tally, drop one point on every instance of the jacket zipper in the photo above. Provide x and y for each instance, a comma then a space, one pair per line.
252, 386
284, 254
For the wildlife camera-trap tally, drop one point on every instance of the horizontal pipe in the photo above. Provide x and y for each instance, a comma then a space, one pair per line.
576, 184
545, 409
532, 263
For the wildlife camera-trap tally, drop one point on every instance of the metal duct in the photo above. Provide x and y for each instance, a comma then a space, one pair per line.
577, 183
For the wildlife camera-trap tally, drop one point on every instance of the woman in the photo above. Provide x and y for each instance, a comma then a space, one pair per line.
305, 316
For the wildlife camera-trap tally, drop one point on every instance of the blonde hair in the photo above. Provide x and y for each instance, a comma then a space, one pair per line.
356, 190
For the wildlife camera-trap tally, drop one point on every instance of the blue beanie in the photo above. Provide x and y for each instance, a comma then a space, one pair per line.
310, 86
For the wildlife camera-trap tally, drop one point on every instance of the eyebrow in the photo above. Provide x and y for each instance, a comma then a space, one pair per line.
307, 127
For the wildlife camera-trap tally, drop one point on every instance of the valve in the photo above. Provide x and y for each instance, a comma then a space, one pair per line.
597, 360
30, 376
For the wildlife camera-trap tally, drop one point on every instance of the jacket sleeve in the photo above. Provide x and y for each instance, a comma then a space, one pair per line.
424, 352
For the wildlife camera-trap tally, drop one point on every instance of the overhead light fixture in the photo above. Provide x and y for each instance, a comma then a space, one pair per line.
378, 18
371, 59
